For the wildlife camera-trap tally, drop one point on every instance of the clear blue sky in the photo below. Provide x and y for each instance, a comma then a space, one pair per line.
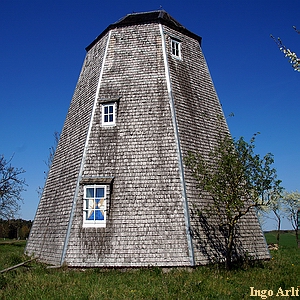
43, 48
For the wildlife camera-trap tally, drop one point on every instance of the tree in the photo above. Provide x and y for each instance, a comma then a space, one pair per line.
291, 202
237, 181
15, 228
292, 56
274, 206
11, 187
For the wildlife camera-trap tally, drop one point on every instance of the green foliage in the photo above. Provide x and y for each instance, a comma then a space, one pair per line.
236, 179
35, 281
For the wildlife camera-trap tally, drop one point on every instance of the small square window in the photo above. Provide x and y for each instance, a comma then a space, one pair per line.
94, 206
108, 114
176, 48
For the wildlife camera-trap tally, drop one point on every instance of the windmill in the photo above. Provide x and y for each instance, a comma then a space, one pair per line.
118, 193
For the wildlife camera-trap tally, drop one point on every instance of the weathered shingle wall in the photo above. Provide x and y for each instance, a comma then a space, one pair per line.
198, 111
49, 229
146, 223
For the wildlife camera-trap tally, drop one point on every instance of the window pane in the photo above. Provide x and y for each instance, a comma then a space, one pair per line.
99, 215
90, 192
89, 211
99, 192
86, 215
91, 215
87, 204
111, 109
90, 204
173, 48
175, 45
106, 118
105, 109
111, 118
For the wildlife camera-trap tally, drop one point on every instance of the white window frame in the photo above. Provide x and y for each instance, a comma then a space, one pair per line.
176, 48
108, 114
89, 207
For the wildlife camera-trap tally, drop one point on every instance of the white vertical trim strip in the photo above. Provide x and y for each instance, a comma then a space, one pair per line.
179, 154
84, 153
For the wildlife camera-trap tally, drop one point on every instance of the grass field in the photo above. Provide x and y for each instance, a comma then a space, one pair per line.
35, 281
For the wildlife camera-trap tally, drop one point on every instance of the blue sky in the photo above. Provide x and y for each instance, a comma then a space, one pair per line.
43, 48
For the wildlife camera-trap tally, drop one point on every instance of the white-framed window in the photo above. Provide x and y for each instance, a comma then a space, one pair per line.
109, 114
176, 48
94, 206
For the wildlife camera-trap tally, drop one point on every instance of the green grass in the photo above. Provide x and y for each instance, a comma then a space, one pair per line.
35, 281
11, 253
286, 238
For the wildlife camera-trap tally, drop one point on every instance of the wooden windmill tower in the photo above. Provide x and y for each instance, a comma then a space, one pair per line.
118, 193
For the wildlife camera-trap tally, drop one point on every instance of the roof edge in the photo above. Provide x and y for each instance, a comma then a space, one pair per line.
157, 16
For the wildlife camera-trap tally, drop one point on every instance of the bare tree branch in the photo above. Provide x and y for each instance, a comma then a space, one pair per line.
11, 187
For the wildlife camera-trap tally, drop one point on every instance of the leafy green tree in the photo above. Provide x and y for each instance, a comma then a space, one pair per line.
237, 180
292, 56
11, 188
291, 202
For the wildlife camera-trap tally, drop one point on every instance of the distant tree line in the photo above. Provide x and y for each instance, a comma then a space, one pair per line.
15, 229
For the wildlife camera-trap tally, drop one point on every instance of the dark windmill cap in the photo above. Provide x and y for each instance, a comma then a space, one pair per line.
158, 16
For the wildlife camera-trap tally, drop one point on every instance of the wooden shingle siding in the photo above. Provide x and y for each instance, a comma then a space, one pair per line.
198, 110
137, 158
49, 228
145, 224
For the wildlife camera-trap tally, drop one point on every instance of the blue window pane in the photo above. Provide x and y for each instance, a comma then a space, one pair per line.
105, 109
91, 216
99, 193
90, 192
111, 109
111, 118
99, 215
106, 118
